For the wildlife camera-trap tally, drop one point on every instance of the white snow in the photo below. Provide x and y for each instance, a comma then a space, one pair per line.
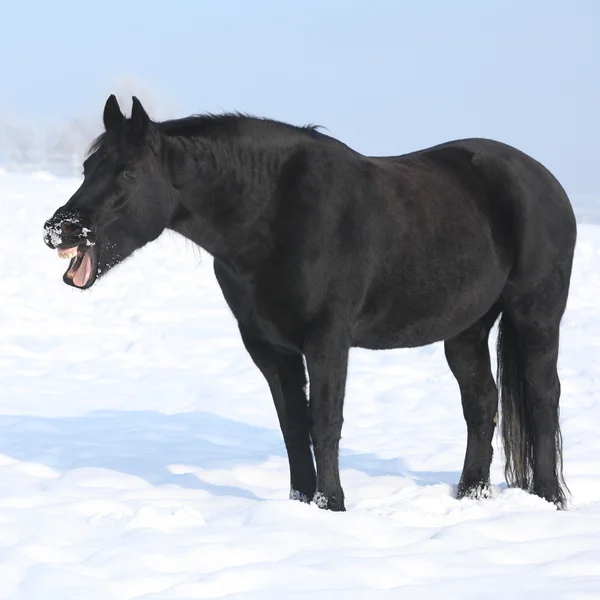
140, 456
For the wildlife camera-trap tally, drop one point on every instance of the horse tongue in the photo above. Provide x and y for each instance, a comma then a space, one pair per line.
84, 271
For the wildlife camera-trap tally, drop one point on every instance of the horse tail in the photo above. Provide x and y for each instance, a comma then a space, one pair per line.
517, 428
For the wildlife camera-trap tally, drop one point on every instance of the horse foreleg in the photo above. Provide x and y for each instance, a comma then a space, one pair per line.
326, 353
284, 372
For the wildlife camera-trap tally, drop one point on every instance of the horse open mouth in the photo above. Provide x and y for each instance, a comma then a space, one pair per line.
83, 268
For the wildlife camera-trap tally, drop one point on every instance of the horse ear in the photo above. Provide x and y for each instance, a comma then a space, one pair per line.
139, 117
112, 113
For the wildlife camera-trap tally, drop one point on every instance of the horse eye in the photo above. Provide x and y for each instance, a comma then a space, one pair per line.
129, 175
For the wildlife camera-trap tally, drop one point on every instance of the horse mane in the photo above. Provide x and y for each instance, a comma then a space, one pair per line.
232, 124
210, 124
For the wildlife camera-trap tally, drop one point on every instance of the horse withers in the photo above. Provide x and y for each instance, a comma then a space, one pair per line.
318, 249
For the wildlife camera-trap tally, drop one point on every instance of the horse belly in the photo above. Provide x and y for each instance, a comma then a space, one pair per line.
412, 316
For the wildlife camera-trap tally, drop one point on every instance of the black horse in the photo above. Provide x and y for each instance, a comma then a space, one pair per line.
318, 248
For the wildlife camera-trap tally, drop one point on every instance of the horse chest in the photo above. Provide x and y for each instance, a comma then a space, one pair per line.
271, 310
264, 309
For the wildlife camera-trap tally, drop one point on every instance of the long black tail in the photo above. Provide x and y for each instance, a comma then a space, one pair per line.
517, 428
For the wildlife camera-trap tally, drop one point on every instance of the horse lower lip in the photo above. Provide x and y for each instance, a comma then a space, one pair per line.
83, 266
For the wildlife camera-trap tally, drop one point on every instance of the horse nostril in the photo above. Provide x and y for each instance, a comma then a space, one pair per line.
69, 227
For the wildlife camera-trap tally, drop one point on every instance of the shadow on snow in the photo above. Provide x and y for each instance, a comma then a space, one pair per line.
146, 443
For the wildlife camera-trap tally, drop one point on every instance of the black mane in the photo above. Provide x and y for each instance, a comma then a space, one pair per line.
213, 126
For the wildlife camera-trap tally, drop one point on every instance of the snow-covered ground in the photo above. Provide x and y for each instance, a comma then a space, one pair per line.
140, 455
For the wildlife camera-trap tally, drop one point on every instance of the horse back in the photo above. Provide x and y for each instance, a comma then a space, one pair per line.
430, 240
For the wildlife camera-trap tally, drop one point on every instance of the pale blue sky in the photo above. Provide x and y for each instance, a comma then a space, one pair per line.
387, 77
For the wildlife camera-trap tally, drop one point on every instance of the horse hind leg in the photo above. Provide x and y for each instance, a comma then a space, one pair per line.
530, 389
468, 357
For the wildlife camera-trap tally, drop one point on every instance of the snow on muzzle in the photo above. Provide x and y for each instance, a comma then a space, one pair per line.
66, 234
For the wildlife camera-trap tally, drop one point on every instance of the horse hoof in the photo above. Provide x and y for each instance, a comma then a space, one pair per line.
299, 496
479, 490
334, 503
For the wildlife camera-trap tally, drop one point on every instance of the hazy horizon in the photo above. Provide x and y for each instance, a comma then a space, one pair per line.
385, 77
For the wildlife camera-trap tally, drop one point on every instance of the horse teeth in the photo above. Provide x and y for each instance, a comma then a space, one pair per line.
71, 253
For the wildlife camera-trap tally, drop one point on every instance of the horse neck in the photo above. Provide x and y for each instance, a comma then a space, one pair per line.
227, 202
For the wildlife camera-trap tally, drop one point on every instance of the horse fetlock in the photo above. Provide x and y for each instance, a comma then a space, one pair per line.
334, 502
299, 496
474, 490
551, 492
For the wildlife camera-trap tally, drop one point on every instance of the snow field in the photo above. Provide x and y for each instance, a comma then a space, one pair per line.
140, 455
